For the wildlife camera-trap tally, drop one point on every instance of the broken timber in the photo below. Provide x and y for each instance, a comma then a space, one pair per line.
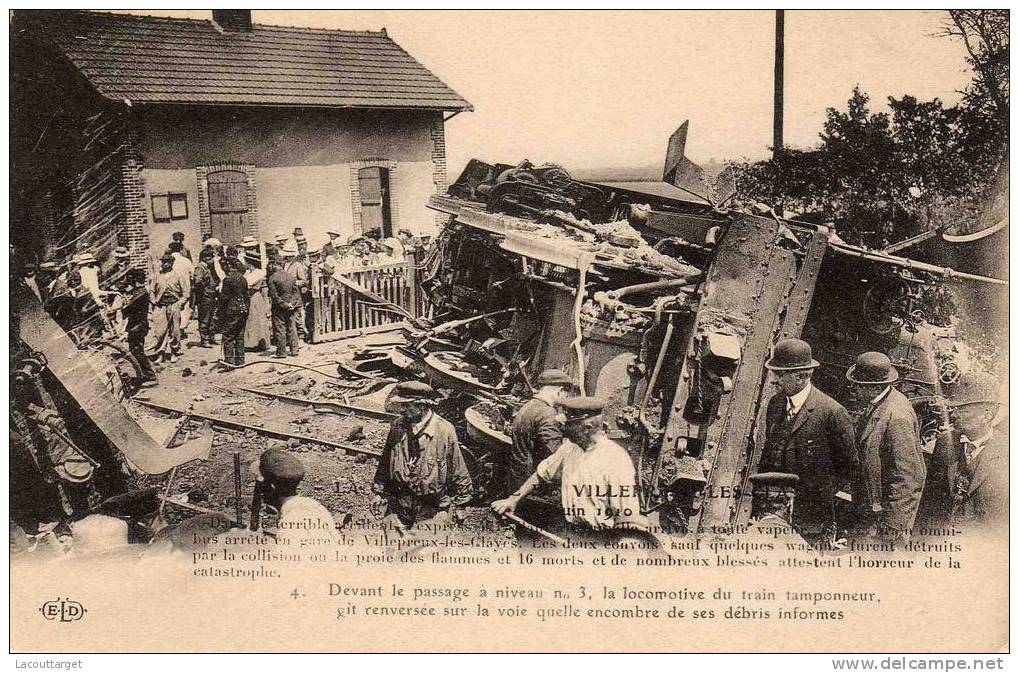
324, 406
228, 423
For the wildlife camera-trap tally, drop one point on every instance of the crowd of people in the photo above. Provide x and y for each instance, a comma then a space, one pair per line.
254, 296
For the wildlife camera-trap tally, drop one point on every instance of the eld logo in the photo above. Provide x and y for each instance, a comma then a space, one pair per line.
64, 610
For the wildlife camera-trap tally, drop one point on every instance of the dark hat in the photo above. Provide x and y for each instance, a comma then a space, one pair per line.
873, 368
579, 408
121, 251
277, 465
774, 481
554, 377
412, 391
791, 355
178, 236
166, 258
974, 388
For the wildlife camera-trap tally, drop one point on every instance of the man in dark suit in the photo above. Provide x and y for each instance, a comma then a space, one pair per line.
969, 469
232, 312
888, 437
810, 435
285, 296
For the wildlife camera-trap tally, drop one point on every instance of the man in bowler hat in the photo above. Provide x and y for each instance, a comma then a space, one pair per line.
969, 468
888, 437
810, 435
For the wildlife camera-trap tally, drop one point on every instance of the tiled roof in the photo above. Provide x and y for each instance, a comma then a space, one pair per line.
162, 60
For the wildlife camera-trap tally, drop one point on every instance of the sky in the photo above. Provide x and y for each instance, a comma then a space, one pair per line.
596, 89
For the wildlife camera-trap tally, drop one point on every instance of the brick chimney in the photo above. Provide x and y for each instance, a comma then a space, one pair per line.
232, 20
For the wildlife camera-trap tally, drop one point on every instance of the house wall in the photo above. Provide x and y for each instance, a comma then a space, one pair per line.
302, 165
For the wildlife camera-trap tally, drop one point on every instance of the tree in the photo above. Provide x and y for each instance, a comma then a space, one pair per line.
880, 178
984, 109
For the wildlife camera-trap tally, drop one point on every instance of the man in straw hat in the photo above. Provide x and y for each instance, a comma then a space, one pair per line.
888, 438
299, 266
329, 249
598, 484
422, 473
810, 435
285, 297
969, 470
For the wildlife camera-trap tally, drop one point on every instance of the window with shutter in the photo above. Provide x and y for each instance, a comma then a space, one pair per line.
373, 185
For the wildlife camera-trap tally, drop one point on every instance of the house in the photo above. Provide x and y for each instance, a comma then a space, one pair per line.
126, 129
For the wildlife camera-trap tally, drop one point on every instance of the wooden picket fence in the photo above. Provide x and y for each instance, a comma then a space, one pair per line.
341, 311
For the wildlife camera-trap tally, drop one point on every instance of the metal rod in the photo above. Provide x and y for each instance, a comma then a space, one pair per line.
226, 422
166, 491
238, 505
364, 411
534, 529
906, 263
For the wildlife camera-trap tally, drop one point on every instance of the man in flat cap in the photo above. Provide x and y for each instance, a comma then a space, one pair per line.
136, 317
177, 245
302, 521
169, 295
422, 473
774, 495
536, 430
969, 468
888, 438
809, 434
598, 483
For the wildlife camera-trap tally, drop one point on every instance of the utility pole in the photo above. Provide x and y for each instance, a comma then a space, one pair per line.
779, 79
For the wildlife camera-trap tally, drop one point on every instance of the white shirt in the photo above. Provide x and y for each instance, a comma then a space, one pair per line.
305, 522
794, 402
596, 484
978, 444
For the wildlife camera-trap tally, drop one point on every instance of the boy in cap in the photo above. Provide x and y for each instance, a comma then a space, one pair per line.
302, 521
888, 439
422, 472
809, 434
969, 469
598, 483
536, 430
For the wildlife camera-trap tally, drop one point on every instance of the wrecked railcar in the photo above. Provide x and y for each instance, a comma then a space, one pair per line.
669, 315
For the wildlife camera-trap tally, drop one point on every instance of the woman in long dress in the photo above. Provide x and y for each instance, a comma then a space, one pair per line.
257, 330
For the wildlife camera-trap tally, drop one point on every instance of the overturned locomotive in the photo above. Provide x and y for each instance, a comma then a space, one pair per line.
665, 304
